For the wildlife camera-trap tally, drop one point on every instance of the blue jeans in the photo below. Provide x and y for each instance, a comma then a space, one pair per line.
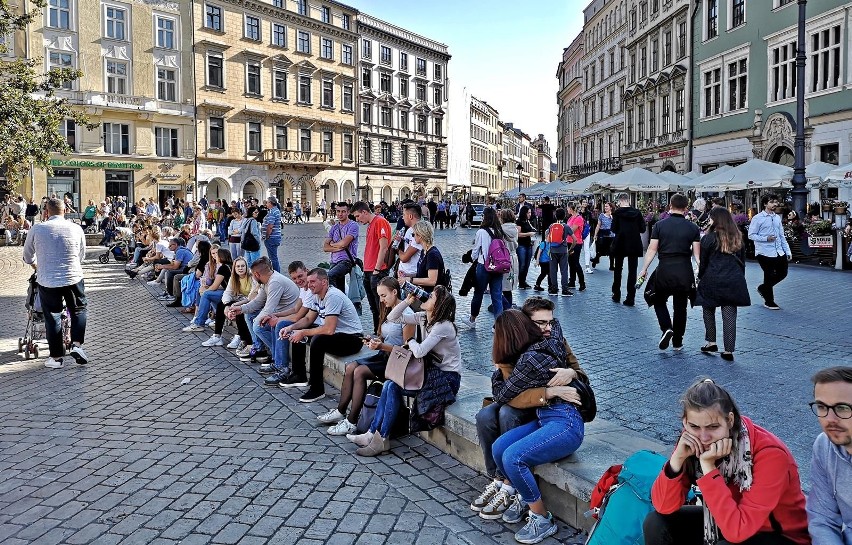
265, 334
524, 258
281, 347
337, 274
250, 322
556, 433
251, 257
388, 408
272, 244
208, 301
492, 421
74, 297
494, 283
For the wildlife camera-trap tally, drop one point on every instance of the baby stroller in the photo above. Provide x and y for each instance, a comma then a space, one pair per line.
35, 323
119, 249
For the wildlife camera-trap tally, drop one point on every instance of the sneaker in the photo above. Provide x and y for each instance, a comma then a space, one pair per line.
215, 340
235, 342
360, 439
153, 282
275, 379
266, 369
760, 291
79, 355
516, 511
483, 499
665, 338
772, 306
538, 288
260, 356
467, 324
583, 287
311, 396
710, 347
332, 417
567, 293
344, 427
589, 270
53, 363
496, 507
293, 381
245, 353
552, 293
193, 327
165, 297
210, 322
537, 529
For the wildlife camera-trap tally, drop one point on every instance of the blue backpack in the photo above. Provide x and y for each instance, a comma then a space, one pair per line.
628, 502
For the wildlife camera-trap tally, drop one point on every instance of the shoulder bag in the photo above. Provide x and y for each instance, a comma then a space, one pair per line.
249, 242
404, 369
588, 404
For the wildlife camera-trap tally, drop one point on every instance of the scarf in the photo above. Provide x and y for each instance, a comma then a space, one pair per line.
736, 467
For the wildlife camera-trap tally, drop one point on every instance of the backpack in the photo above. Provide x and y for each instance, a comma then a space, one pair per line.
249, 242
498, 260
557, 234
587, 228
623, 502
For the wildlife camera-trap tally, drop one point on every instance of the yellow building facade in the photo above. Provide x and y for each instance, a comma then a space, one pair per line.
276, 100
137, 87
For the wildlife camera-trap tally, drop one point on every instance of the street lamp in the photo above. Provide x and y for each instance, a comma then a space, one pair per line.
520, 169
800, 194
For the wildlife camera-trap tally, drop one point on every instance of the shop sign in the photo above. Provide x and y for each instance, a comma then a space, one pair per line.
821, 242
646, 160
170, 187
167, 176
670, 153
95, 164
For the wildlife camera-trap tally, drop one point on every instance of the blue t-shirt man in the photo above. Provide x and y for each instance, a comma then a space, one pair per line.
183, 256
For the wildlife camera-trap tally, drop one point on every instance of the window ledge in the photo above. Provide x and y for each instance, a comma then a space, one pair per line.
215, 89
327, 58
305, 53
710, 118
735, 28
252, 40
736, 112
281, 100
327, 108
253, 95
781, 102
708, 40
306, 104
215, 150
276, 46
253, 154
214, 30
824, 92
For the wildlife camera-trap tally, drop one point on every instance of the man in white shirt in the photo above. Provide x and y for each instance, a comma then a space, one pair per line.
56, 249
771, 248
410, 254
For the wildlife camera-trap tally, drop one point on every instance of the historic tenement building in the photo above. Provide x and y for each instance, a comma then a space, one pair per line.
276, 98
403, 112
657, 96
570, 77
136, 59
486, 141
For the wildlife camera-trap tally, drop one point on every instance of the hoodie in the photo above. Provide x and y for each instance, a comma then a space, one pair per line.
628, 226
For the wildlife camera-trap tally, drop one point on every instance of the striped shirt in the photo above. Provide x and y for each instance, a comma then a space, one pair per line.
273, 218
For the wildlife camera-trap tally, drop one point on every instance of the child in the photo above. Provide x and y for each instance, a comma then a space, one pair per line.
542, 255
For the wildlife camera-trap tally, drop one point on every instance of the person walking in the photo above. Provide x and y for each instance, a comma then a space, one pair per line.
628, 226
525, 245
722, 283
272, 231
488, 230
510, 231
771, 248
561, 243
56, 249
577, 225
677, 241
542, 255
603, 236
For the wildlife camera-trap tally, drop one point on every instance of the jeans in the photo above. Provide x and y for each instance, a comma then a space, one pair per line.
266, 335
251, 257
338, 272
680, 300
575, 268
388, 408
109, 236
371, 282
336, 344
51, 304
524, 257
558, 264
207, 301
774, 271
494, 283
632, 265
250, 322
556, 433
236, 249
685, 527
280, 347
492, 421
170, 280
272, 244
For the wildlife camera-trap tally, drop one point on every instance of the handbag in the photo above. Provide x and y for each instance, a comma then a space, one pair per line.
404, 369
368, 411
249, 242
588, 404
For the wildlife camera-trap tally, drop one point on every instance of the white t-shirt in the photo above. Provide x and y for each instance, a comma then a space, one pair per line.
410, 268
163, 247
336, 303
308, 298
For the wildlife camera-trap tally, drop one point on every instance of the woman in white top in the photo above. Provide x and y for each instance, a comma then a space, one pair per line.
235, 232
442, 378
361, 372
489, 229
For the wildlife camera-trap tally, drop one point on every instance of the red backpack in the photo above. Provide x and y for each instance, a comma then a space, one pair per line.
498, 260
605, 483
558, 233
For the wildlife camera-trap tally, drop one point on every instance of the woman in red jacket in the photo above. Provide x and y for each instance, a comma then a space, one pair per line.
747, 476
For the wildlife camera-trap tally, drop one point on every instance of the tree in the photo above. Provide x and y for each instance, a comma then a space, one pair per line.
29, 107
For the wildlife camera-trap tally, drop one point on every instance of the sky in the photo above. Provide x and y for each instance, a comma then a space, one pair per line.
504, 52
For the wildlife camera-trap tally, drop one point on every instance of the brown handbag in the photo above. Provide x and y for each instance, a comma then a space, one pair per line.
404, 369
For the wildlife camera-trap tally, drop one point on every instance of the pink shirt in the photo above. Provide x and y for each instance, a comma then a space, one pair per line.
576, 223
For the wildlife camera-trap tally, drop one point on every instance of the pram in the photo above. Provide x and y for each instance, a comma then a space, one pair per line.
119, 249
35, 331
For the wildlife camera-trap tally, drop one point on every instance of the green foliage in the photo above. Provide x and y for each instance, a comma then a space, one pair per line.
30, 110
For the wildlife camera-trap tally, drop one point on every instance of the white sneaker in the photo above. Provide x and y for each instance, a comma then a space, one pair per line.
210, 322
331, 417
153, 282
589, 270
235, 342
344, 427
53, 363
245, 351
78, 354
362, 440
467, 324
214, 340
192, 328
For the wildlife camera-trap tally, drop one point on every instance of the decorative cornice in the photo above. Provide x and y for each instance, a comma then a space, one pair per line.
305, 22
368, 25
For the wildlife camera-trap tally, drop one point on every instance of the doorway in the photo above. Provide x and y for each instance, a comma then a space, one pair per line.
119, 183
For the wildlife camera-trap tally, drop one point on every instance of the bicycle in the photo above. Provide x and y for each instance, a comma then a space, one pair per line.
288, 217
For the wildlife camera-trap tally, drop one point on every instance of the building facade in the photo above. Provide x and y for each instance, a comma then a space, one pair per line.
540, 169
604, 78
403, 95
745, 82
657, 96
276, 99
569, 74
485, 149
514, 165
137, 87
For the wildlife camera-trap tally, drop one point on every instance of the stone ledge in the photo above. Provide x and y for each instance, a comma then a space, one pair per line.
567, 484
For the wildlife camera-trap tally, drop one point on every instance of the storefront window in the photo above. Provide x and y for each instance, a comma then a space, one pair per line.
119, 183
65, 181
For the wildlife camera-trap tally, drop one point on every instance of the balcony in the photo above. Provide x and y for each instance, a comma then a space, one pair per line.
116, 101
604, 165
290, 157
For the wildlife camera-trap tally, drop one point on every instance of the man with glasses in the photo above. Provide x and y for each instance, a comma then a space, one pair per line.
272, 232
771, 248
342, 242
830, 499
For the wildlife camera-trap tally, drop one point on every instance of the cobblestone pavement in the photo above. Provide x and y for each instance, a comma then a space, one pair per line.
122, 451
638, 385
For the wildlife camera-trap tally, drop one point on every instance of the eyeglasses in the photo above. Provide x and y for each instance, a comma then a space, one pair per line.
842, 410
544, 323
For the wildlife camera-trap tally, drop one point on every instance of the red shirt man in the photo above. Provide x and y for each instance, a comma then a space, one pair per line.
378, 239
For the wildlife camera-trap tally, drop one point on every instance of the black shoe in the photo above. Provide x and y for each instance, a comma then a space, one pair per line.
665, 339
293, 381
582, 287
267, 369
567, 293
628, 303
572, 286
760, 291
274, 379
552, 292
708, 348
131, 274
310, 396
727, 356
524, 286
538, 288
175, 304
261, 356
771, 305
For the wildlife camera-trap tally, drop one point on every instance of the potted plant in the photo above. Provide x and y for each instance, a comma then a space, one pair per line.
827, 205
840, 207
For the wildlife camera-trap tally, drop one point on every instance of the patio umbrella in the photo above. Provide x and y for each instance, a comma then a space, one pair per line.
817, 171
674, 178
637, 179
700, 178
533, 190
754, 174
839, 177
584, 185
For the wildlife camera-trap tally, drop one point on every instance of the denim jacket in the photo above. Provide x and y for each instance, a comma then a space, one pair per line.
761, 227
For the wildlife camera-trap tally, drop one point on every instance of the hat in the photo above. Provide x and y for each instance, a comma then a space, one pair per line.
273, 200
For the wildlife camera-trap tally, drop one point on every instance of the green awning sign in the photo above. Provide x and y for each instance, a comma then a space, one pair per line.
95, 164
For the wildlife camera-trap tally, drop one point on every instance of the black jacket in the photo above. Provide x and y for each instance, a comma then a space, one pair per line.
628, 226
721, 277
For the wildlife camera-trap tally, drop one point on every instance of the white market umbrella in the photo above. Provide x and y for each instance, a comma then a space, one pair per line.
754, 174
817, 171
533, 190
637, 179
839, 177
584, 185
674, 178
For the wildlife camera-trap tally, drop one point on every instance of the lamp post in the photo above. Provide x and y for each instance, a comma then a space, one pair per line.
800, 194
520, 169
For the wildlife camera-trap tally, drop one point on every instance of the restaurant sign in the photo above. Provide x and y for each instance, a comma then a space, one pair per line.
821, 242
95, 164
